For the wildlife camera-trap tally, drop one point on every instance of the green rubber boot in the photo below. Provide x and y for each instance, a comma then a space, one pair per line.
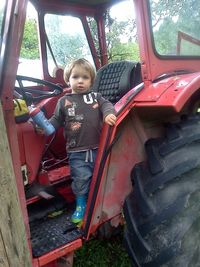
78, 214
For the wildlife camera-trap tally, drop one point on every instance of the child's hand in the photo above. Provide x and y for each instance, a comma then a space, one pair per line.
110, 119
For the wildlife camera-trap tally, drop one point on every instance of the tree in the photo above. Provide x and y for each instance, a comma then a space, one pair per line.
121, 38
29, 47
169, 17
65, 45
1, 19
2, 7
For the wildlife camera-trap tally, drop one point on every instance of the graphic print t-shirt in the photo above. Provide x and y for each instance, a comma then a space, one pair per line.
82, 116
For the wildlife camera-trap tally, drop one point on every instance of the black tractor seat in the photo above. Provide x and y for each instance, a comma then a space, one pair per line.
115, 79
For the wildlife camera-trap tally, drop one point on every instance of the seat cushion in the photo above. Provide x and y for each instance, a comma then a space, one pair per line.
115, 79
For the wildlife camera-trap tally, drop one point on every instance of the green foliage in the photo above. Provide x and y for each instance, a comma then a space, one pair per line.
124, 51
121, 42
66, 48
120, 38
166, 39
29, 49
2, 10
170, 17
1, 19
66, 45
102, 253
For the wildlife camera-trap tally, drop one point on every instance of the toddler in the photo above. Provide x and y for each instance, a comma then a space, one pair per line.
82, 114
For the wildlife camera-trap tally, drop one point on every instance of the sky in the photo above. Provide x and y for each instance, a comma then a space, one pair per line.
123, 10
2, 4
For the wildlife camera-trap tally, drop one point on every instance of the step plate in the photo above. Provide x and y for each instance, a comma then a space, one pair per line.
51, 233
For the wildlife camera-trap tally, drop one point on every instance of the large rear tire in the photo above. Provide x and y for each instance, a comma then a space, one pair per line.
162, 212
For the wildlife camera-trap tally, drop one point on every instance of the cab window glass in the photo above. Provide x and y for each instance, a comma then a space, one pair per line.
29, 53
175, 27
64, 42
121, 35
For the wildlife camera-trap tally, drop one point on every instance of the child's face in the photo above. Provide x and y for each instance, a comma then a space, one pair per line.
80, 80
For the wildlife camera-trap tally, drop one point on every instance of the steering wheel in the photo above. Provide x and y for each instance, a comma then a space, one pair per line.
30, 94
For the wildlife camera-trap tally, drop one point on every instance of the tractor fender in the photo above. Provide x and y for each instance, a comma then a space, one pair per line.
172, 93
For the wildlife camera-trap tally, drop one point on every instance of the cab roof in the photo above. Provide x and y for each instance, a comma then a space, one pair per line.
93, 2
87, 3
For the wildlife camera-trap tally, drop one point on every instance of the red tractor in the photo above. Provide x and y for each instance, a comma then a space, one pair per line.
146, 172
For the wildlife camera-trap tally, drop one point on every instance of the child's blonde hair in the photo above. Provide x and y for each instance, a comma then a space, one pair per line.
79, 62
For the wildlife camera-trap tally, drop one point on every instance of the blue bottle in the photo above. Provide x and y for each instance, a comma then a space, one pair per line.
38, 118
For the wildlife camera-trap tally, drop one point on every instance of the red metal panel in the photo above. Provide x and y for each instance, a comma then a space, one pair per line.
34, 145
57, 253
173, 92
115, 181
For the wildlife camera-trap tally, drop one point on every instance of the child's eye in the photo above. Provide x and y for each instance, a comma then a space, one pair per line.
86, 77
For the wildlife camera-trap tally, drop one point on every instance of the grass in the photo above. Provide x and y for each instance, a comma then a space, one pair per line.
102, 253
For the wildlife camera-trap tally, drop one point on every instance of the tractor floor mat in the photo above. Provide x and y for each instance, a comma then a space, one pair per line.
43, 208
51, 233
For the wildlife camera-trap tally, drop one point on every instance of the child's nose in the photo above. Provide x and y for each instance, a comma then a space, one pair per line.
80, 79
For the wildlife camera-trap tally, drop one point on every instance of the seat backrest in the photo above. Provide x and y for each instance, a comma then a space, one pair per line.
115, 79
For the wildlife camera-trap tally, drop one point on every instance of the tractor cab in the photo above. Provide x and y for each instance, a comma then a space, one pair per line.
60, 33
146, 55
